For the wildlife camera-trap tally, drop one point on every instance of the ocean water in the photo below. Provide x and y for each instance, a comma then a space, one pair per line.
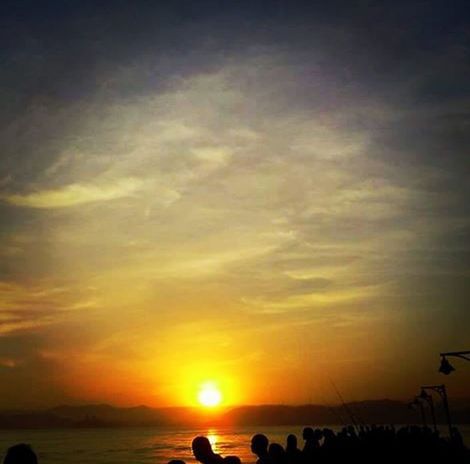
143, 445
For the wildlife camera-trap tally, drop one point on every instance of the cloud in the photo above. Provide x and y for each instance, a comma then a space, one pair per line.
75, 194
308, 176
26, 307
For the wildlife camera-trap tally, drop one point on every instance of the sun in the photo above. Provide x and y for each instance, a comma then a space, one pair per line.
209, 395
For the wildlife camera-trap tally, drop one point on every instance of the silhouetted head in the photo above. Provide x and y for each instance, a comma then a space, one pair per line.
20, 454
291, 442
307, 433
202, 449
328, 434
259, 444
176, 461
276, 453
232, 460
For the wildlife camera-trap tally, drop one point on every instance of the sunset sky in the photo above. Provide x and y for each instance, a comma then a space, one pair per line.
270, 196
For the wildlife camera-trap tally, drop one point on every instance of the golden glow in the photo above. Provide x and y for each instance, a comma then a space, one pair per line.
213, 440
209, 395
171, 243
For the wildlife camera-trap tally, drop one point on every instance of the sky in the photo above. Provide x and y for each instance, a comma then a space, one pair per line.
270, 196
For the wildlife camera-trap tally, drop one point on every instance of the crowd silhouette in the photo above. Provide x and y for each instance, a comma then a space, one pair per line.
365, 444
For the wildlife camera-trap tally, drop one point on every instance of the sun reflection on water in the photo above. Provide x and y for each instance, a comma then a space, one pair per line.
213, 440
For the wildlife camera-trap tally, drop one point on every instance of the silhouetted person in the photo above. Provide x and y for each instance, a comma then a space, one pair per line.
259, 446
202, 451
311, 444
293, 453
20, 454
176, 461
456, 438
232, 460
369, 445
276, 454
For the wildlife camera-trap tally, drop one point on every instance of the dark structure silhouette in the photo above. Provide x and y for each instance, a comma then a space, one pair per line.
446, 367
20, 454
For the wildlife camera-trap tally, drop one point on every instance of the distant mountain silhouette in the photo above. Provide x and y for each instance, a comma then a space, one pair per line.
139, 415
104, 415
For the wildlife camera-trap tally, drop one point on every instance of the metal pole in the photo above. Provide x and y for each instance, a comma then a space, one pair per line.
433, 413
423, 415
457, 354
445, 402
441, 389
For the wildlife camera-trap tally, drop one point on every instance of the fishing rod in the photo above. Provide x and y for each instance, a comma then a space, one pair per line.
345, 406
359, 416
333, 411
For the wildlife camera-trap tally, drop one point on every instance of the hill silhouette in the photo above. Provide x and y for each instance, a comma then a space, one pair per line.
104, 415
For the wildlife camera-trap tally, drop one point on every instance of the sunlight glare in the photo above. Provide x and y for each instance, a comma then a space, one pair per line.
209, 395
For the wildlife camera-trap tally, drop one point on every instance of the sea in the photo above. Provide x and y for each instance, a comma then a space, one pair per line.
145, 445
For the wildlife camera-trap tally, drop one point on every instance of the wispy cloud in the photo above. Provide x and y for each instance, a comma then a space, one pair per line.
315, 187
75, 194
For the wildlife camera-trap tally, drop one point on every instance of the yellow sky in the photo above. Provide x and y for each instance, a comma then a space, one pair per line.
217, 230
